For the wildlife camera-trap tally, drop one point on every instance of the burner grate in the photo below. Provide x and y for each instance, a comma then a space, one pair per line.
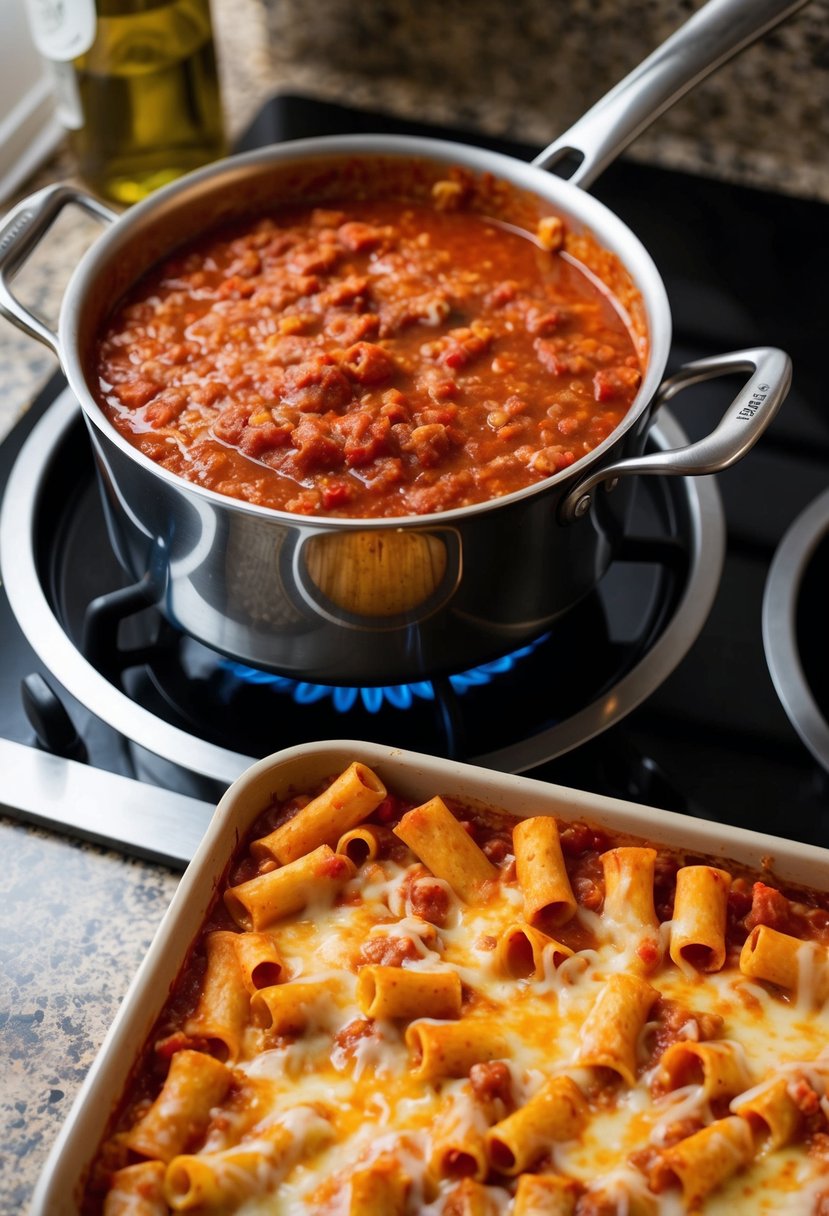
173, 697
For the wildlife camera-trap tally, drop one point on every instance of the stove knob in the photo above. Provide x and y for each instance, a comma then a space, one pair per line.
49, 719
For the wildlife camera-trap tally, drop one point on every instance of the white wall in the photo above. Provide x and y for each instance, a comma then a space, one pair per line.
28, 130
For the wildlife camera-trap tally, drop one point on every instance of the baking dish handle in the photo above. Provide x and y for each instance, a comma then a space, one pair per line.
747, 417
719, 30
21, 232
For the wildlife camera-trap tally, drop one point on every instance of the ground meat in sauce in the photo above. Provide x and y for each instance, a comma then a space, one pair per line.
429, 899
771, 908
387, 951
369, 359
673, 1022
348, 1036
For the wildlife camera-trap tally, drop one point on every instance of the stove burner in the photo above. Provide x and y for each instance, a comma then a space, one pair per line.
173, 697
186, 682
679, 710
794, 626
374, 700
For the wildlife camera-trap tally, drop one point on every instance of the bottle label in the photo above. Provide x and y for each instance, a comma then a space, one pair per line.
62, 29
68, 108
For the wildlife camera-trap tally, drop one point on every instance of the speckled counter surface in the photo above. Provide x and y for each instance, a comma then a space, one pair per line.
75, 920
75, 923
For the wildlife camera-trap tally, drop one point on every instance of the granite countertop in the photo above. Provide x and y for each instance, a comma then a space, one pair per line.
77, 919
76, 922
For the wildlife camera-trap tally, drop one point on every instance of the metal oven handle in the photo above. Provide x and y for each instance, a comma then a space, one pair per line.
747, 417
21, 233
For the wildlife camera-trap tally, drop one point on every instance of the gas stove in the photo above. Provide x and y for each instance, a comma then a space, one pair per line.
116, 728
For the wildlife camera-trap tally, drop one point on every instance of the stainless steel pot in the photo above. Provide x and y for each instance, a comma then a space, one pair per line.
348, 600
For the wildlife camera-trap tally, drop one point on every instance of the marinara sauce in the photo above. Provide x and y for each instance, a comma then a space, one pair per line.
368, 359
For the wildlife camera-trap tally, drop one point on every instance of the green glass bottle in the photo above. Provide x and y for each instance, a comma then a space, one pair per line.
141, 101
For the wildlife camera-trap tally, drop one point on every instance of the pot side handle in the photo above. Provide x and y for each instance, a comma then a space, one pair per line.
21, 232
713, 35
747, 417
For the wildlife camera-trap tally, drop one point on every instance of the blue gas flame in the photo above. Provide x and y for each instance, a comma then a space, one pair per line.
398, 696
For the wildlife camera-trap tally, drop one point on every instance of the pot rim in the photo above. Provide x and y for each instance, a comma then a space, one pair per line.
602, 223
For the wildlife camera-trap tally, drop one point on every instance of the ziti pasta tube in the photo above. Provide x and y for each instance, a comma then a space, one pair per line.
719, 1067
548, 896
610, 1033
289, 1008
434, 835
400, 992
222, 1010
269, 897
212, 1181
458, 1147
771, 1112
260, 962
347, 801
360, 844
137, 1190
218, 1182
449, 1049
558, 1111
704, 1161
194, 1084
798, 966
628, 900
471, 1198
545, 1195
523, 951
379, 1189
699, 919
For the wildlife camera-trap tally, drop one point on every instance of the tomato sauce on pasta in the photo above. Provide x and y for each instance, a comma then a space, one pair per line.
368, 358
472, 1014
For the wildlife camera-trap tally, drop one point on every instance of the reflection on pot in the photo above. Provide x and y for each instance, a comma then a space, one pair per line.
379, 572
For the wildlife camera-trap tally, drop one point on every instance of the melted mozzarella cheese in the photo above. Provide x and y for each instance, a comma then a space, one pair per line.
351, 1098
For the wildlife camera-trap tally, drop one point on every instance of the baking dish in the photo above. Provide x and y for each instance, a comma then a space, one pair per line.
414, 776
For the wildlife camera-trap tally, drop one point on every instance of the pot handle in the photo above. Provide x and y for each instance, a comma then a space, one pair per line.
718, 31
21, 232
747, 417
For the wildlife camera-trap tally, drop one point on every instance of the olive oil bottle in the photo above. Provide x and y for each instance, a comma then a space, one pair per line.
137, 88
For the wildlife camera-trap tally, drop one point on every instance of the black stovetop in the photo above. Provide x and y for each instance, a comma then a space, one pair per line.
742, 268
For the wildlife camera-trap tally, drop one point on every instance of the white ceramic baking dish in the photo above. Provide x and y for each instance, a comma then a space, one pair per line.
412, 775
